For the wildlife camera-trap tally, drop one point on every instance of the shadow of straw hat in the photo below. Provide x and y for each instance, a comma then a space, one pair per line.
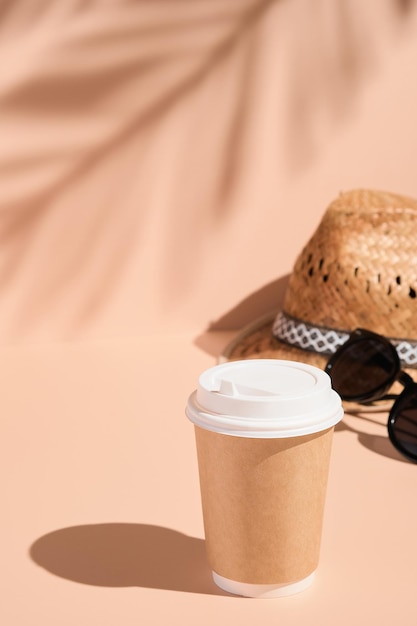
358, 270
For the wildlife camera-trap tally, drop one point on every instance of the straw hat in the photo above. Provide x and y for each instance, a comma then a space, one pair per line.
359, 269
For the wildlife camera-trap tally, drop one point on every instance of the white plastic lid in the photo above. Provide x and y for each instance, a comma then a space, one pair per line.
264, 398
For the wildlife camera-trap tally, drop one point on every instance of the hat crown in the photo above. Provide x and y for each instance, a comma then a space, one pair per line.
359, 269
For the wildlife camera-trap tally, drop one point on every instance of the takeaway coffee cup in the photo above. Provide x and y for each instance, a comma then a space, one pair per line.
263, 432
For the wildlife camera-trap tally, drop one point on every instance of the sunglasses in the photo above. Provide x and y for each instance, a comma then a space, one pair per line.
363, 370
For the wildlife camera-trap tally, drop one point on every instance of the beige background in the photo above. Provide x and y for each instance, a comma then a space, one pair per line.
161, 165
163, 161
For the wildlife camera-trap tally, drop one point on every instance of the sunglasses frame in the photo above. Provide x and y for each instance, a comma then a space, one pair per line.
379, 393
358, 336
410, 388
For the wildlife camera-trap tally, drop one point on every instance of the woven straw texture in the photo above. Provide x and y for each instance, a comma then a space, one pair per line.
359, 269
360, 266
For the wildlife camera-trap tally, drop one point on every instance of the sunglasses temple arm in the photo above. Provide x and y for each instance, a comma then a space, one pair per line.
405, 379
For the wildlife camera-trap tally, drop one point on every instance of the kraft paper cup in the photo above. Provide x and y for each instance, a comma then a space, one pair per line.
263, 434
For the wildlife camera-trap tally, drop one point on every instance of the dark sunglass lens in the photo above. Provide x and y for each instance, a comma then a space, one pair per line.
402, 425
364, 368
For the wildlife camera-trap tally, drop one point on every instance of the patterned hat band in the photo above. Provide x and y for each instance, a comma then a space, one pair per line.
326, 341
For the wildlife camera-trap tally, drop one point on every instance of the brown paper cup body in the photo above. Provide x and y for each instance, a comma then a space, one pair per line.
263, 504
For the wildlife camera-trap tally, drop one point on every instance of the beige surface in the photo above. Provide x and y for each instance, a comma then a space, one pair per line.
101, 519
161, 165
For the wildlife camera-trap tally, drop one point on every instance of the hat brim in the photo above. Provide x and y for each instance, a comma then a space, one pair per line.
256, 341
